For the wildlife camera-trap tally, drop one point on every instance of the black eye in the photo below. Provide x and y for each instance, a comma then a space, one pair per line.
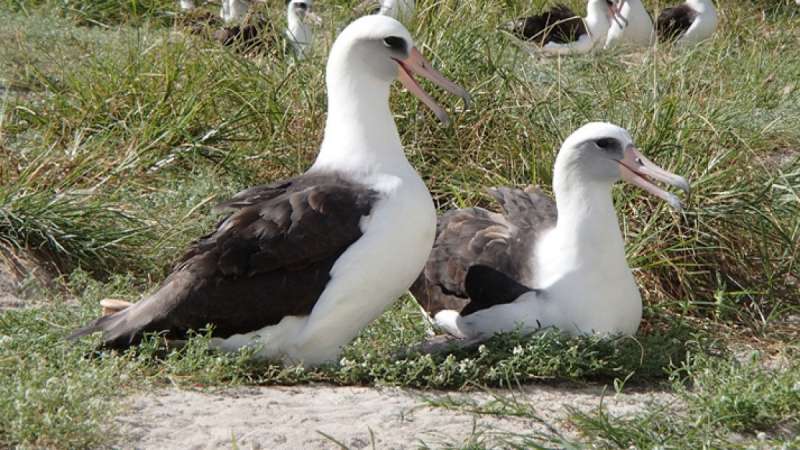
606, 143
395, 43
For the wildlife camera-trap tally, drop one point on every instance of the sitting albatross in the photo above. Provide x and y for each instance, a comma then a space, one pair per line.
689, 23
483, 269
560, 31
298, 267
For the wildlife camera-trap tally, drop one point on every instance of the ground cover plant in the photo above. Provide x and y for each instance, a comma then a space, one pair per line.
118, 133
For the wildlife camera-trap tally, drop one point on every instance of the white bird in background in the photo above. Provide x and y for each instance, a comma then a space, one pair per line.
299, 267
233, 11
298, 33
632, 26
402, 10
689, 23
542, 263
186, 5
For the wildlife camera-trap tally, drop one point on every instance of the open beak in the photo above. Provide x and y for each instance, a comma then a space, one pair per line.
636, 169
416, 63
616, 13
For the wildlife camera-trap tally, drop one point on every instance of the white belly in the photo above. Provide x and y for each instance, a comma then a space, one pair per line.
366, 279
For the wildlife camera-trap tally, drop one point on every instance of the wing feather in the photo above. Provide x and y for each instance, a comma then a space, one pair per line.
673, 22
269, 258
498, 243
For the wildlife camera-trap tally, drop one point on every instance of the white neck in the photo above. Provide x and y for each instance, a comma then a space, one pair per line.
587, 230
597, 20
360, 133
298, 32
581, 264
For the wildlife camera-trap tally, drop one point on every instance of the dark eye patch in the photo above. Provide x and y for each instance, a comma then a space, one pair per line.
607, 143
395, 43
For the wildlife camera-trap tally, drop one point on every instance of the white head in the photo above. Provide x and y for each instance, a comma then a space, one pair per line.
601, 7
186, 5
298, 32
298, 8
373, 51
599, 14
615, 11
602, 153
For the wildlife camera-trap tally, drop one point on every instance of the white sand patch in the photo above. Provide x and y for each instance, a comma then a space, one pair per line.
294, 417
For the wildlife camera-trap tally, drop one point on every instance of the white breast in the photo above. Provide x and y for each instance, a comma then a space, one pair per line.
366, 279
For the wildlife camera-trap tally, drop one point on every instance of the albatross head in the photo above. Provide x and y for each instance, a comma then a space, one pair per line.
299, 8
604, 153
373, 51
615, 12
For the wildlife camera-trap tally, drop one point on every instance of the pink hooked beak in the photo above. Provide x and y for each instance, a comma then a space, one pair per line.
416, 63
636, 169
616, 13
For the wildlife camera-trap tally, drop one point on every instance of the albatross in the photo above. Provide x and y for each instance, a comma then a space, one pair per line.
633, 25
560, 31
255, 33
689, 23
298, 33
232, 11
402, 10
298, 267
542, 263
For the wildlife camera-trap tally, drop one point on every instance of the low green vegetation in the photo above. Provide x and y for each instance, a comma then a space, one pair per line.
119, 132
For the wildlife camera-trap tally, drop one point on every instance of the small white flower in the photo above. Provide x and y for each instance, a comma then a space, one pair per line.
482, 349
518, 350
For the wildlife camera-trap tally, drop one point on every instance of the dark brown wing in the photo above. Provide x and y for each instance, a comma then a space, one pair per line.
271, 257
560, 25
255, 35
497, 243
198, 22
674, 22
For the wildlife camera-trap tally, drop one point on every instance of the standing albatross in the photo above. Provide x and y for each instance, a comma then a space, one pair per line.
300, 266
689, 23
560, 31
484, 266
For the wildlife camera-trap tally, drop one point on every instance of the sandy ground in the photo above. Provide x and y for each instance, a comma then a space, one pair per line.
321, 416
297, 417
